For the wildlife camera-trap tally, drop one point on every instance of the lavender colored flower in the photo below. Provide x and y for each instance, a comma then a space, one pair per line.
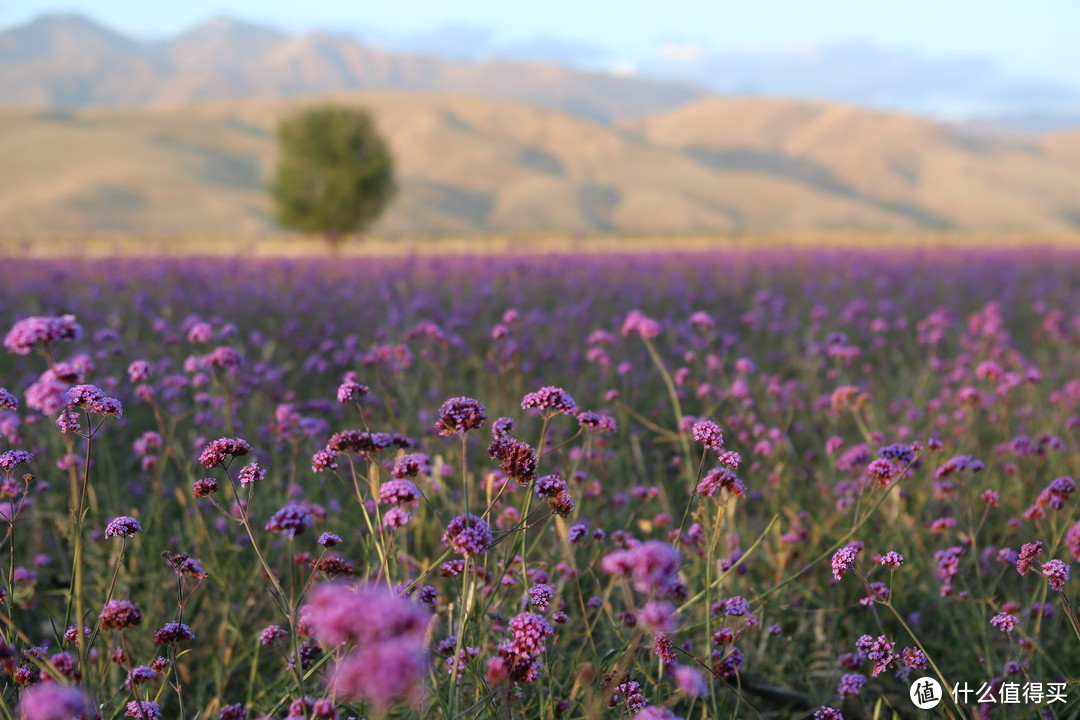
467, 535
397, 517
387, 631
652, 565
251, 474
914, 658
690, 681
1028, 553
399, 492
1005, 622
41, 331
664, 649
878, 651
850, 684
329, 540
270, 633
517, 459
235, 711
1056, 573
52, 701
10, 459
204, 488
843, 559
709, 434
410, 466
656, 712
143, 710
122, 526
173, 633
597, 421
828, 713
351, 391
502, 427
120, 615
459, 415
140, 675
657, 616
540, 595
7, 400
550, 486
550, 398
638, 323
892, 559
528, 631
215, 453
291, 520
721, 478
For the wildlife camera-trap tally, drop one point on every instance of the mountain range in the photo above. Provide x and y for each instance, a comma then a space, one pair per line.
101, 133
70, 61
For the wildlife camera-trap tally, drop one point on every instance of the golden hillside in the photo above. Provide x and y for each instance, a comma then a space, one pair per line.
467, 164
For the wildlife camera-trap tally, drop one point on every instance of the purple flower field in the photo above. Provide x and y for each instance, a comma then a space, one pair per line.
755, 484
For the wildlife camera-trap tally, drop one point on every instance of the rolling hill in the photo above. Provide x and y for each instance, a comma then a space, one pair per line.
469, 164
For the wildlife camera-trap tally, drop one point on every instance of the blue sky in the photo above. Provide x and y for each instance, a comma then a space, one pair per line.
1037, 37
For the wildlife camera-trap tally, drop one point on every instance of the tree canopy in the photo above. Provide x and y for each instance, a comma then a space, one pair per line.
335, 173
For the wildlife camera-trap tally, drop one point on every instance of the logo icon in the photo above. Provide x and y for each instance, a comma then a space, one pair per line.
926, 693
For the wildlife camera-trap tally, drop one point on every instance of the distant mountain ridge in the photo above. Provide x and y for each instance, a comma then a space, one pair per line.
71, 61
468, 164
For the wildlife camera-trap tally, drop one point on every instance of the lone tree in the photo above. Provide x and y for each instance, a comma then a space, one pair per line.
335, 175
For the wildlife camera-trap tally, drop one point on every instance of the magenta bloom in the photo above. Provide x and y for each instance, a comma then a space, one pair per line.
843, 559
1028, 553
850, 684
550, 398
270, 633
41, 331
709, 434
653, 565
290, 520
879, 651
251, 474
7, 400
656, 712
527, 634
721, 478
173, 633
638, 323
120, 615
409, 466
1056, 573
468, 535
459, 415
382, 674
204, 488
517, 459
892, 559
828, 713
1005, 622
399, 492
351, 391
540, 595
143, 710
329, 540
658, 616
50, 701
387, 631
690, 681
122, 526
215, 453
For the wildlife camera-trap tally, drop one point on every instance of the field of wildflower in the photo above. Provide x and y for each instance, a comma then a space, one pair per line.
742, 484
